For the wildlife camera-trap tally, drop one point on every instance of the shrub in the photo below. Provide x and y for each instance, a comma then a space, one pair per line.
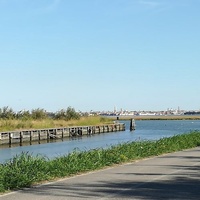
7, 113
67, 114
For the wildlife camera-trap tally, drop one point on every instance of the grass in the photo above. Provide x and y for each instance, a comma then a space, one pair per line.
11, 125
25, 170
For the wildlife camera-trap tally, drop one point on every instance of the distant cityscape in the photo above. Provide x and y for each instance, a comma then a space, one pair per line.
122, 112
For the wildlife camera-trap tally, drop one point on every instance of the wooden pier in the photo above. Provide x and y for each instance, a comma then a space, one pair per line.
21, 136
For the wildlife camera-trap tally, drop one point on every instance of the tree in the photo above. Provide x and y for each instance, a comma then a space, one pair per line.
67, 114
7, 113
23, 114
38, 114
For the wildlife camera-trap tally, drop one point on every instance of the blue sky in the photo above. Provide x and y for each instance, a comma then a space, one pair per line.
97, 54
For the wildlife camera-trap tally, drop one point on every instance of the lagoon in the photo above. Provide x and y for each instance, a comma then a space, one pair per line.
145, 130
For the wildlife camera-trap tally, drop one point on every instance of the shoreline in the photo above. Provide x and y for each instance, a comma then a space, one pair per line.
156, 117
39, 169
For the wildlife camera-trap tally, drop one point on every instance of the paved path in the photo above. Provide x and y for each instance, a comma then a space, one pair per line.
172, 176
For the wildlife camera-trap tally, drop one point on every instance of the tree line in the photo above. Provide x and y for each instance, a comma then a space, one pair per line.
8, 113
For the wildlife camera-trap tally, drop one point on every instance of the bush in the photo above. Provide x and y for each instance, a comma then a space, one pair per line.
67, 114
7, 113
38, 114
24, 115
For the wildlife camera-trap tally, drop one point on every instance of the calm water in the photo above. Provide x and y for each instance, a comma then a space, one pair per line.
145, 130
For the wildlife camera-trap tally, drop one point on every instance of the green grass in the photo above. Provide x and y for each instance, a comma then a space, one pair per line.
25, 170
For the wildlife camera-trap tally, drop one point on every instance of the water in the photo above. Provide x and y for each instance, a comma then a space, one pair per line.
145, 130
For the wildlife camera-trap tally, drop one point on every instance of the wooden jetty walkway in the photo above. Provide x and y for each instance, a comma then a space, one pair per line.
21, 136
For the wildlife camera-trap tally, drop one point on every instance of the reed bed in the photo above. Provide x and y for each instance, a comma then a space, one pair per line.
17, 124
25, 170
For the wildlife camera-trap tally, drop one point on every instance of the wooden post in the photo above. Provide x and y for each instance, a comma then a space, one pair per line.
56, 130
132, 124
99, 129
30, 137
10, 139
48, 135
62, 133
21, 137
39, 133
89, 130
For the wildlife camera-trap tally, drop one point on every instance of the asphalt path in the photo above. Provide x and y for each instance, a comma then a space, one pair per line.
170, 176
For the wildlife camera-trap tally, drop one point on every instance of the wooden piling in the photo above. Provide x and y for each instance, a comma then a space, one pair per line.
62, 133
10, 139
39, 136
30, 137
132, 124
20, 137
48, 135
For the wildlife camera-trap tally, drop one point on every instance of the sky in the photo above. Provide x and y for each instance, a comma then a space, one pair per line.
100, 54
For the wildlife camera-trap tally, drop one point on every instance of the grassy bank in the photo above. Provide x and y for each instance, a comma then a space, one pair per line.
17, 124
25, 170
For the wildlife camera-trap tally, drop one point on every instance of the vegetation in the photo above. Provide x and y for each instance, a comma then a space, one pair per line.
25, 170
16, 124
7, 113
68, 114
39, 118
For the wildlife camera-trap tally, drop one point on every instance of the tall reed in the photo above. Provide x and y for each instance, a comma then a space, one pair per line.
14, 124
